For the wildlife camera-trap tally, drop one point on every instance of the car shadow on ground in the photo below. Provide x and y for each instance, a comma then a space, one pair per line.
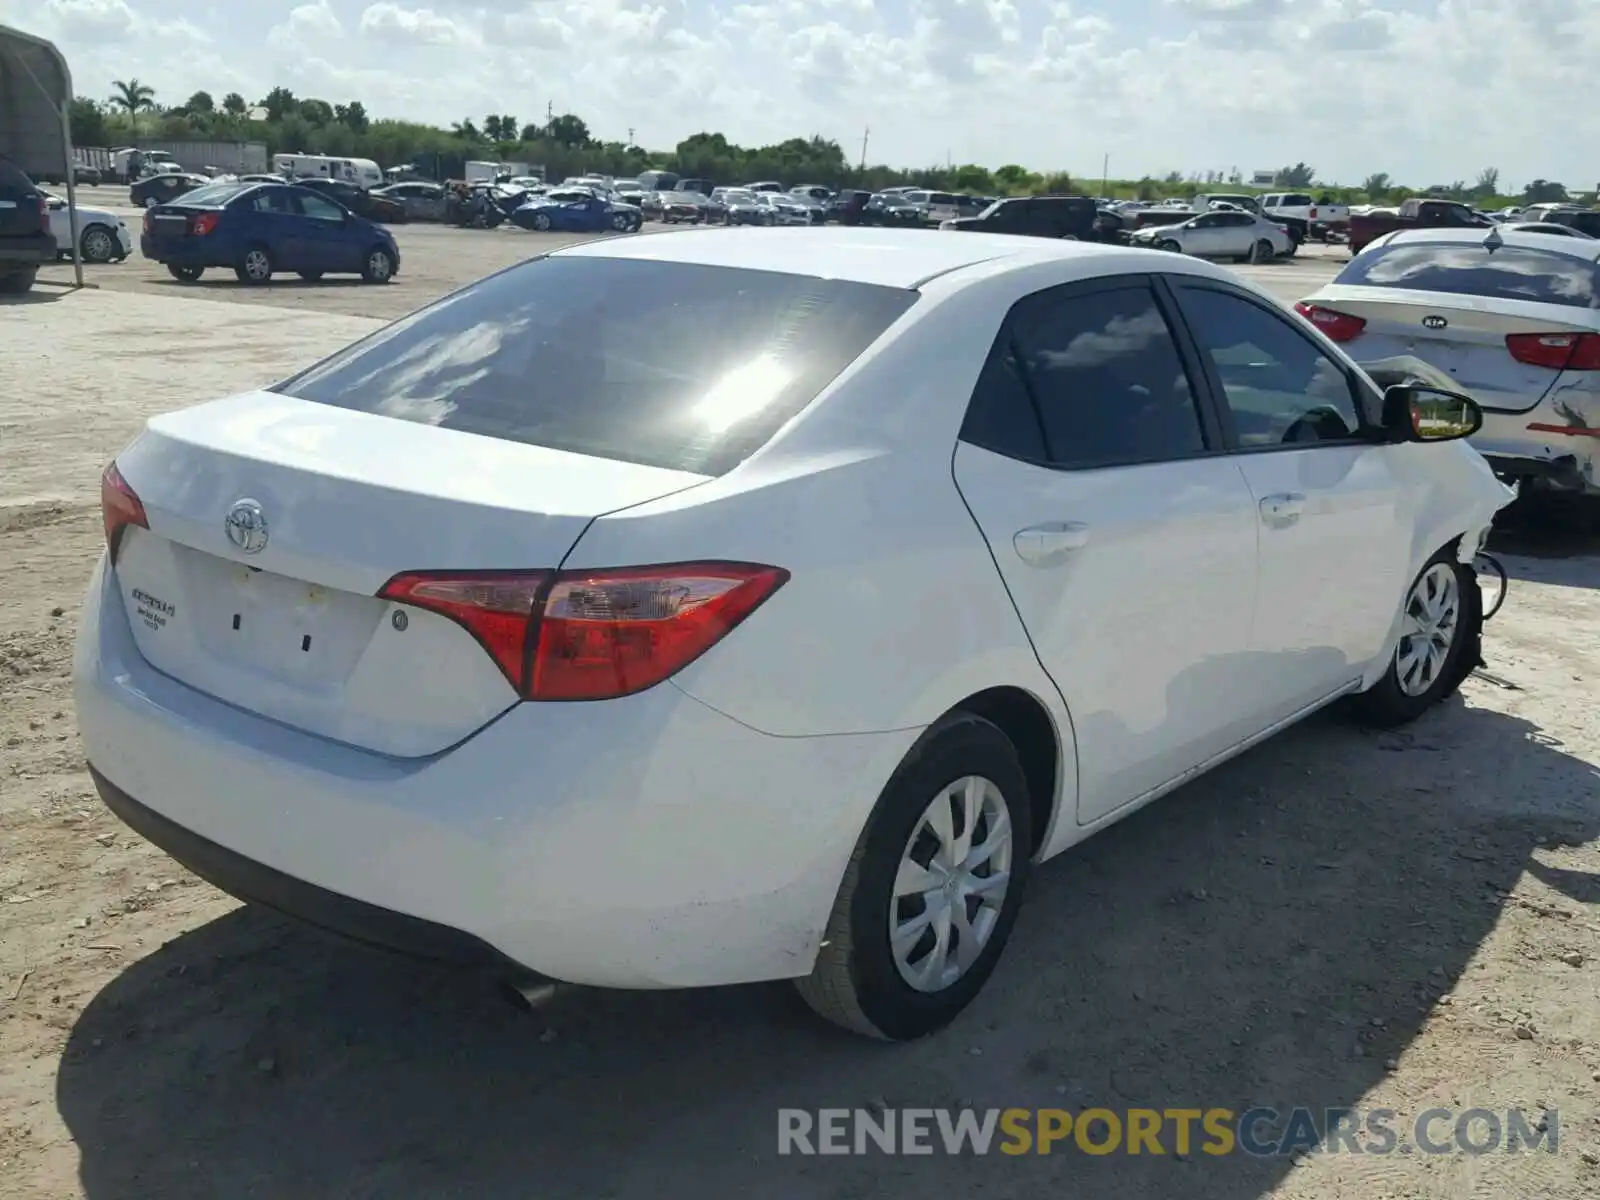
1223, 948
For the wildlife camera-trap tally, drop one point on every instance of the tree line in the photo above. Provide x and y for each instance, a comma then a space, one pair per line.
563, 145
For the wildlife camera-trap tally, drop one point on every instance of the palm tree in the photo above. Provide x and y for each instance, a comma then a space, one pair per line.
133, 96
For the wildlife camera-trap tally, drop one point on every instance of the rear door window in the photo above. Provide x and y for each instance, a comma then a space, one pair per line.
1107, 378
675, 365
19, 205
1509, 273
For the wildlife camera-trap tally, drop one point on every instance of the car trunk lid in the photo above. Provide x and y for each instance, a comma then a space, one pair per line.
1470, 345
278, 613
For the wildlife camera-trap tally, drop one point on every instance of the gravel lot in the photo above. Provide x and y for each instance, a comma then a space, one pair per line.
1339, 918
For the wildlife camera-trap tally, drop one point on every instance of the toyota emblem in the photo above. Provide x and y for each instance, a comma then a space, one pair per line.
1434, 322
247, 526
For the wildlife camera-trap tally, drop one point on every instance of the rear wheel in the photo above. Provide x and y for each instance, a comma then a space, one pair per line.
621, 222
541, 222
379, 265
1441, 627
932, 890
18, 282
1169, 245
185, 274
255, 265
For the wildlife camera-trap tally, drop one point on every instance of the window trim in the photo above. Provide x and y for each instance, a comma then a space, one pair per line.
1371, 430
1211, 430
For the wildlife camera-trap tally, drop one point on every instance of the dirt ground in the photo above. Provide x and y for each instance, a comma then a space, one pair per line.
1339, 918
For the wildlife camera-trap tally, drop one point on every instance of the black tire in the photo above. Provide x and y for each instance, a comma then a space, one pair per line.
1387, 703
185, 274
1261, 252
310, 276
1169, 246
855, 982
255, 265
18, 282
541, 222
98, 244
378, 265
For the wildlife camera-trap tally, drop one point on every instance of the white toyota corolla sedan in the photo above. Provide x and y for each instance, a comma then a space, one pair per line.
702, 609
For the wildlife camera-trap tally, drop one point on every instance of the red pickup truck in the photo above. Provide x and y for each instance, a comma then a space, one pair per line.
1413, 214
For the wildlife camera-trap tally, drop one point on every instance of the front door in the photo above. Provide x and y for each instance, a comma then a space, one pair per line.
1335, 537
323, 227
1126, 538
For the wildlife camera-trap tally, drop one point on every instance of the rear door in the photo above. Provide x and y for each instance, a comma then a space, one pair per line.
1485, 317
1126, 539
1335, 534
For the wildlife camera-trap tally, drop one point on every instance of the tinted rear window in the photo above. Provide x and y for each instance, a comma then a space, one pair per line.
1509, 273
214, 193
672, 365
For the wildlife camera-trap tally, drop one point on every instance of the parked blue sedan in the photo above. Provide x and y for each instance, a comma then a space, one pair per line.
258, 229
577, 210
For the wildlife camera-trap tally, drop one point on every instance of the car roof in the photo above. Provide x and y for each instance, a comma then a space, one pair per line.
1585, 248
901, 258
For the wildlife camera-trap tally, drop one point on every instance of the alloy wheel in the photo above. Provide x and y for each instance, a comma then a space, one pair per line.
1428, 629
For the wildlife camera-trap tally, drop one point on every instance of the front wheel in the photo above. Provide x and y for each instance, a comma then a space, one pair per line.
1261, 252
185, 274
621, 223
1169, 245
378, 266
932, 890
98, 244
1440, 642
541, 222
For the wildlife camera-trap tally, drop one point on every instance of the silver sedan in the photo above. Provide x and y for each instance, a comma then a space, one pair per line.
1237, 235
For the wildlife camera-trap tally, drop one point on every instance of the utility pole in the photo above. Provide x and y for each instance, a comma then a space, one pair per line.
549, 111
865, 134
630, 135
1105, 176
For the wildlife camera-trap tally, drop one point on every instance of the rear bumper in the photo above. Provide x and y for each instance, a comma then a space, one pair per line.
189, 252
643, 842
1563, 461
29, 248
260, 884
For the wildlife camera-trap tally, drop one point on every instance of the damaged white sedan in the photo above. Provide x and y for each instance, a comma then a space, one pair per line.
1508, 317
726, 609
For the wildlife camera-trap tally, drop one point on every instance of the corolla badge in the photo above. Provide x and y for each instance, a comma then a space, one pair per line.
1434, 322
247, 526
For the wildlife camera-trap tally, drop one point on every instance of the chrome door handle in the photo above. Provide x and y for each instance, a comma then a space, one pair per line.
1282, 509
1050, 543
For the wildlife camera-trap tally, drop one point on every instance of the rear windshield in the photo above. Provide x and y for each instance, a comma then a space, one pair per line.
214, 193
674, 365
1509, 273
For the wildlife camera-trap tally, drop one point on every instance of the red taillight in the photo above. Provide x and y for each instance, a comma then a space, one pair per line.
44, 214
120, 507
204, 224
593, 635
149, 220
1338, 326
1556, 351
1313, 216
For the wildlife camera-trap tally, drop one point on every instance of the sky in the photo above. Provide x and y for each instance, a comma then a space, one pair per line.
1429, 91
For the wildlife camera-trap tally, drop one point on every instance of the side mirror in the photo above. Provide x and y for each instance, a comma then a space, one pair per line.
1418, 413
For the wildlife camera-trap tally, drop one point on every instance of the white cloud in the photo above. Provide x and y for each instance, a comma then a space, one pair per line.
1421, 89
420, 26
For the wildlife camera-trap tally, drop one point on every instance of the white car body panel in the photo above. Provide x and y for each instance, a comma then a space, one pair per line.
630, 842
